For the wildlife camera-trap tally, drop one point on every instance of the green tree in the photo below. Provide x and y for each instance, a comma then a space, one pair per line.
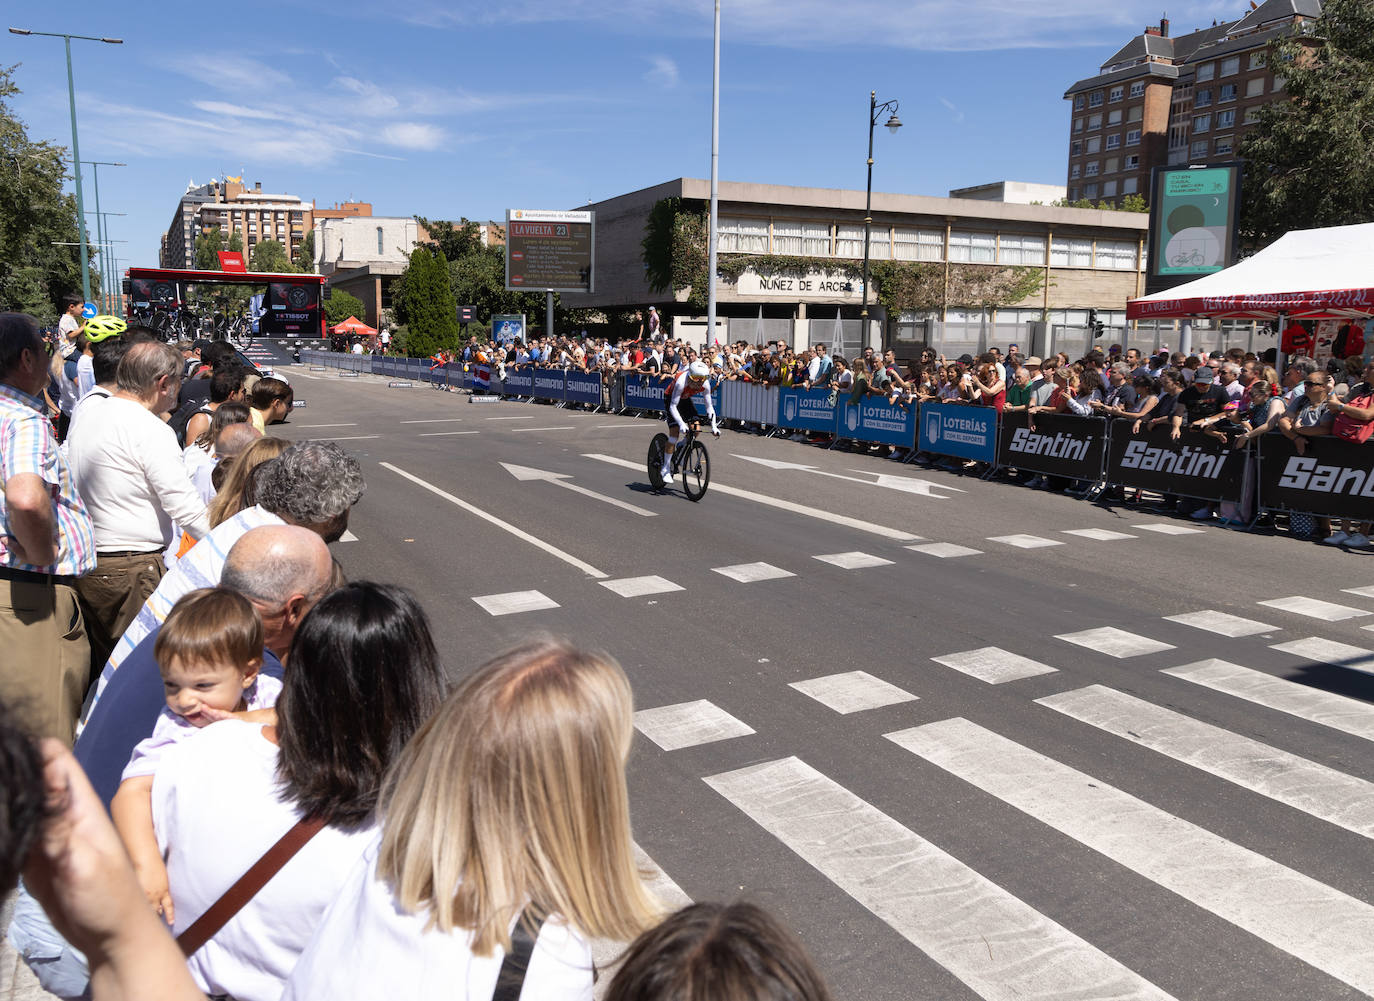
269, 257
209, 243
454, 239
478, 279
235, 242
1310, 160
305, 253
426, 305
341, 305
36, 218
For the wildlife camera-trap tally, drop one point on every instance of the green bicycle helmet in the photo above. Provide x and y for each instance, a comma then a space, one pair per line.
103, 327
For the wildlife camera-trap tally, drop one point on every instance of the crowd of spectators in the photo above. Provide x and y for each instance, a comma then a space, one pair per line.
276, 791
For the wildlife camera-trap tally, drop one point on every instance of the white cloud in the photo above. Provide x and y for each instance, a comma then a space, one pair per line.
953, 109
413, 135
227, 110
368, 99
662, 72
233, 74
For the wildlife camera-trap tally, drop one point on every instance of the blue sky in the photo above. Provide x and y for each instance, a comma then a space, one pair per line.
461, 109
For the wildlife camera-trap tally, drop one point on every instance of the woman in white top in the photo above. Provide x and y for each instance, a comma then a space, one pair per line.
363, 675
508, 808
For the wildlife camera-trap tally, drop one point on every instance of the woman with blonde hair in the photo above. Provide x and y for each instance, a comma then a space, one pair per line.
505, 844
232, 494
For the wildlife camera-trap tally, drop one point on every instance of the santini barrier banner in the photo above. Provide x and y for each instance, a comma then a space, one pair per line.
1332, 478
807, 409
1058, 445
876, 420
1196, 465
963, 431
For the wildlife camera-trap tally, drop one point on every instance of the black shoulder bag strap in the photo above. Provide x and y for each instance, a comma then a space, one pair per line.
511, 980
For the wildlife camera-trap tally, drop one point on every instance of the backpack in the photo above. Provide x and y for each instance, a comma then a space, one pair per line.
1349, 429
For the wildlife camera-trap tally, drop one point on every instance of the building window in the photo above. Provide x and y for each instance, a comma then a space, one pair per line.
746, 236
849, 241
1132, 137
1073, 194
1108, 189
1094, 144
1258, 60
1114, 142
918, 244
1138, 88
1114, 117
816, 239
1090, 191
1076, 148
1255, 87
1203, 98
1074, 171
1251, 116
1226, 119
1110, 166
1021, 250
1223, 146
1078, 103
1202, 123
1133, 161
1094, 122
1230, 66
1228, 92
1092, 168
1072, 253
1198, 150
380, 249
1130, 186
1116, 94
972, 248
1206, 71
1078, 125
1134, 114
1095, 99
1116, 255
1279, 83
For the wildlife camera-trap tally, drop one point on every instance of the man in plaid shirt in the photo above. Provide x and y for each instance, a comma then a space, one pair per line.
46, 542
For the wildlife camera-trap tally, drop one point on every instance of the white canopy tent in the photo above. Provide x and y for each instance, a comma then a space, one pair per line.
1306, 274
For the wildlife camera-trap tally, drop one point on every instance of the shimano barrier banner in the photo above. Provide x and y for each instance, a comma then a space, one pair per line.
644, 392
807, 409
582, 387
874, 419
1060, 445
519, 380
1197, 465
964, 431
548, 384
1332, 478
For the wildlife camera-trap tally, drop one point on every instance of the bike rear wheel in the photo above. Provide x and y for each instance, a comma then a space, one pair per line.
657, 449
696, 471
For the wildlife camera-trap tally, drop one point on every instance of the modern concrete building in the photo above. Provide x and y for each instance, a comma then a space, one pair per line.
1188, 100
179, 242
1015, 192
1090, 259
364, 255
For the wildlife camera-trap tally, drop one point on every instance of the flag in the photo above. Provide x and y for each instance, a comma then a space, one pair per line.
481, 375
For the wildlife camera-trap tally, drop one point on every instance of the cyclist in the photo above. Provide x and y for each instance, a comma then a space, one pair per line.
678, 408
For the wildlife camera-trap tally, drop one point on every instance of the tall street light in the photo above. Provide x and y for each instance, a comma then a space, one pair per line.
101, 227
103, 241
893, 124
76, 151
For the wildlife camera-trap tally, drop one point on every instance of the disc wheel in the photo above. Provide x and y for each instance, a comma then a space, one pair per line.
657, 449
696, 471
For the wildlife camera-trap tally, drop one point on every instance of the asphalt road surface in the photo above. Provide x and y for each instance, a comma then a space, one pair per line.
967, 739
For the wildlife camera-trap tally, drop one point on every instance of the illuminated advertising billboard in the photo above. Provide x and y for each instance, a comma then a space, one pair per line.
291, 310
1193, 216
549, 251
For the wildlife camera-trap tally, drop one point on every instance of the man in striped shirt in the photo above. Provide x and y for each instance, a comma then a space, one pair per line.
46, 542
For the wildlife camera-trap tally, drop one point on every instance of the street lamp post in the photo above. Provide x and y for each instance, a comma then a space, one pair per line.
103, 241
893, 124
102, 230
76, 150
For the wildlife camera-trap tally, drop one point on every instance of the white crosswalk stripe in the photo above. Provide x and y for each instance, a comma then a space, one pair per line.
749, 573
994, 665
1167, 528
1025, 541
515, 601
1099, 534
638, 587
947, 910
853, 561
1324, 651
1221, 623
1326, 708
1333, 796
688, 724
1114, 642
1328, 611
1308, 919
944, 550
852, 691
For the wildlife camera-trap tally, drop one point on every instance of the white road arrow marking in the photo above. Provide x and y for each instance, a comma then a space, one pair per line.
525, 473
906, 484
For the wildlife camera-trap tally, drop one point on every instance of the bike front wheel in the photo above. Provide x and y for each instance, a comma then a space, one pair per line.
657, 449
696, 471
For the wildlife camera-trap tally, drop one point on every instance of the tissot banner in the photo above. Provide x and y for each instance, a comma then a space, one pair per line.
956, 429
1195, 466
874, 419
1058, 445
807, 409
1332, 477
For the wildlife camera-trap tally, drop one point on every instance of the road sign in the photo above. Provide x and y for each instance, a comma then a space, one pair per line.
549, 250
89, 310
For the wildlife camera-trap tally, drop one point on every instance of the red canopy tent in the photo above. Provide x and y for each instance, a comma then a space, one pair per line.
354, 326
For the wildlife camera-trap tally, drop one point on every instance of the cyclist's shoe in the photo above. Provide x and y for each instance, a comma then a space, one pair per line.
666, 474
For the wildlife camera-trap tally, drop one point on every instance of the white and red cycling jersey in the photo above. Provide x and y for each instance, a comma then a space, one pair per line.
682, 387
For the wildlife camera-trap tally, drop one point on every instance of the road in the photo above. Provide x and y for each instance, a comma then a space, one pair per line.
968, 740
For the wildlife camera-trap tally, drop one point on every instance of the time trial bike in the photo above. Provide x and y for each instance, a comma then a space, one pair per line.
691, 461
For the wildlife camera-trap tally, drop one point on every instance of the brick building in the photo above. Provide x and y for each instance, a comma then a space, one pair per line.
233, 207
1162, 101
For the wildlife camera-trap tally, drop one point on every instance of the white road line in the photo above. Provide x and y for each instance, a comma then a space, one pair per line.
1361, 592
638, 587
1221, 623
513, 602
1324, 651
689, 724
944, 908
526, 417
750, 573
1166, 528
994, 665
853, 561
852, 692
443, 434
348, 536
1115, 642
1325, 708
1099, 534
944, 550
1328, 611
1290, 911
565, 427
437, 420
352, 424
783, 505
1025, 541
1315, 789
618, 427
356, 437
505, 526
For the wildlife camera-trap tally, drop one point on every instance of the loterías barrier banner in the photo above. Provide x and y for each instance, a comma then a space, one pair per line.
1058, 445
1332, 477
807, 409
967, 432
1196, 465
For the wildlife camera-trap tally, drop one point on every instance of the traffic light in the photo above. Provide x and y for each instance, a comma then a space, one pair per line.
1095, 325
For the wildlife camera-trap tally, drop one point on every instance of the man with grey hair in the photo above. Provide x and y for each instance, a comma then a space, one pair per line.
313, 484
231, 440
129, 471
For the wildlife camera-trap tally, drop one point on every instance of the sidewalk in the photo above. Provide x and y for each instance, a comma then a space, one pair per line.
16, 982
